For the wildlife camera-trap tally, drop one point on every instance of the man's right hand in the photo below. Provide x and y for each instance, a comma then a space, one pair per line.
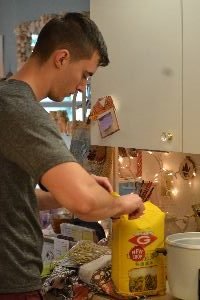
132, 205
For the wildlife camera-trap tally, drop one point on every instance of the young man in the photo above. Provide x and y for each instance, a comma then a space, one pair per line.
68, 51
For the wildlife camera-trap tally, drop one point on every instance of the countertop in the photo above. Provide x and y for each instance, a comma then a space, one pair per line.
165, 297
98, 297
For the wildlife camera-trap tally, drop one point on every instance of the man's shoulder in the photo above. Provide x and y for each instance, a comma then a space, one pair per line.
15, 94
14, 87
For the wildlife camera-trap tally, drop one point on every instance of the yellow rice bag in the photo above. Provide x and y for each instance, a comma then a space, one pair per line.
137, 269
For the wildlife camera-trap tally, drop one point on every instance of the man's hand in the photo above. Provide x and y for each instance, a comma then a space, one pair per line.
104, 182
132, 205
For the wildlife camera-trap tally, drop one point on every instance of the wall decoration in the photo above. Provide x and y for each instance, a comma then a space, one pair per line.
23, 36
187, 168
24, 32
105, 113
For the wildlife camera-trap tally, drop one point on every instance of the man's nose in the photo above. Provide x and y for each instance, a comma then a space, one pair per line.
82, 86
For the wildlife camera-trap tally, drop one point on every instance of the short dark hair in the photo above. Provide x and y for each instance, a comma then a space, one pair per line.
75, 32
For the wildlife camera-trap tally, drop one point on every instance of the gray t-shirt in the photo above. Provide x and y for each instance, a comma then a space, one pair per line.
30, 144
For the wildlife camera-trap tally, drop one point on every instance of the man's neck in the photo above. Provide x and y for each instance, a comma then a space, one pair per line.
36, 76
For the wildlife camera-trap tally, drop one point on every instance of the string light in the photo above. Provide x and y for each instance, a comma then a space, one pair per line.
165, 176
123, 164
174, 191
120, 159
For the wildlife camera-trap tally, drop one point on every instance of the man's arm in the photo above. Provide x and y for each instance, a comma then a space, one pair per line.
79, 192
45, 200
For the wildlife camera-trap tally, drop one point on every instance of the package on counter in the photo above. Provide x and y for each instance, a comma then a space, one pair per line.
87, 251
77, 233
137, 269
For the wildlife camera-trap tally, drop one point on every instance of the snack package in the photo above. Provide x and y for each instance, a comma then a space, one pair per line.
87, 251
137, 269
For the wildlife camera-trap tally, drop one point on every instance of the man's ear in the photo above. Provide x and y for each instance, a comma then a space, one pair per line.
61, 57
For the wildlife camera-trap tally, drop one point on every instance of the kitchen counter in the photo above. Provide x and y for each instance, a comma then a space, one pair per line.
165, 297
99, 297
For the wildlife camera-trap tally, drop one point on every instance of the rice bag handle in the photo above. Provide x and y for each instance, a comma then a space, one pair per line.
115, 194
161, 251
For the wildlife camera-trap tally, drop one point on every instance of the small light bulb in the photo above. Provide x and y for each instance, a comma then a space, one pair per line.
166, 153
120, 159
174, 191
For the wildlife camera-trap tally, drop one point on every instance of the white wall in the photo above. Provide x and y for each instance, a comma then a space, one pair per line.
14, 12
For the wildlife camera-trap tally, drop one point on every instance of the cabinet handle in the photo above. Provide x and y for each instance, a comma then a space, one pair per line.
166, 137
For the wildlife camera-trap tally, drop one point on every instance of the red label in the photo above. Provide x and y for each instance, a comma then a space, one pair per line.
143, 240
137, 253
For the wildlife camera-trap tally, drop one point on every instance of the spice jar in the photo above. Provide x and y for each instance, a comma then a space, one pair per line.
58, 217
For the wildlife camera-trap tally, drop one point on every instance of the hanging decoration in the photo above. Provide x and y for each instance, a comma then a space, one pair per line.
187, 168
127, 162
24, 33
187, 171
104, 113
139, 164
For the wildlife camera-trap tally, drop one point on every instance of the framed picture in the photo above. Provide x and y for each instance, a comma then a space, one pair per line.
107, 122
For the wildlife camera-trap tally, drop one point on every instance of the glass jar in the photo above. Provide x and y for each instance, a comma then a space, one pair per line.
59, 216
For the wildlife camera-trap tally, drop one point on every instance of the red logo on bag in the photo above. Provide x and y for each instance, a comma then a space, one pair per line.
137, 253
143, 240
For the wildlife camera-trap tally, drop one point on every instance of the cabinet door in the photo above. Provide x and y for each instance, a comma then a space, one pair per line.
191, 76
144, 40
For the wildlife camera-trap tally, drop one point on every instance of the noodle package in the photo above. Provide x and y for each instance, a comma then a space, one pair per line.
137, 268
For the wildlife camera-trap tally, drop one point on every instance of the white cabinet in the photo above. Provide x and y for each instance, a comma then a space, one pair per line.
144, 40
1, 57
191, 76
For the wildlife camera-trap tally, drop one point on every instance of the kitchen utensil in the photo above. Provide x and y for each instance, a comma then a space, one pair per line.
183, 265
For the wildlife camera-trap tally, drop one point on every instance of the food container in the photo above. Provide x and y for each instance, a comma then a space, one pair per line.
59, 216
137, 269
183, 265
